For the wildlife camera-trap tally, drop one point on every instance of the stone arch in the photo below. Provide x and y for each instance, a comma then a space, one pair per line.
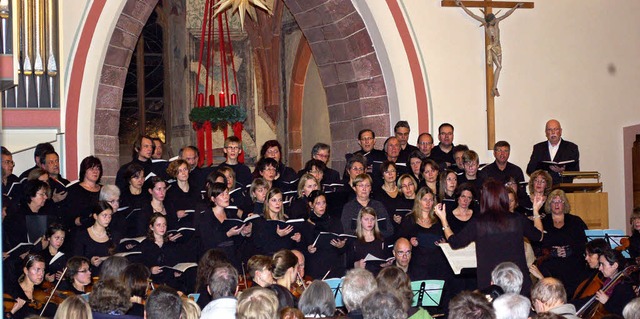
114, 73
341, 46
349, 69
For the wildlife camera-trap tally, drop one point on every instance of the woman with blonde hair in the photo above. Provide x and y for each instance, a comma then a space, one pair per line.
424, 231
564, 242
257, 303
369, 242
74, 307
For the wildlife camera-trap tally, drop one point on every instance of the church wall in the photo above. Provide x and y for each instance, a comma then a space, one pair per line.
315, 115
571, 60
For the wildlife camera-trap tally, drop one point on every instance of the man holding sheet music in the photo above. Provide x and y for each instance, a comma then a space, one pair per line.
555, 155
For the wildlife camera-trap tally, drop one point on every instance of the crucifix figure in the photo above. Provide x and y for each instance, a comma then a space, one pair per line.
491, 25
493, 48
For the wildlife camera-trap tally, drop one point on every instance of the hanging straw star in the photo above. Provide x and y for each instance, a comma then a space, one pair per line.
243, 7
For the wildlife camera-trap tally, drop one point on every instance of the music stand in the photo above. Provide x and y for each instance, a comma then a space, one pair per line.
427, 293
336, 288
612, 236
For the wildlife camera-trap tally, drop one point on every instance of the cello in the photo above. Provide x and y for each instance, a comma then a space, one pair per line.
593, 309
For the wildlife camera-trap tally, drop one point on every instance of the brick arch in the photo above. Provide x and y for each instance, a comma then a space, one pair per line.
114, 73
341, 46
349, 70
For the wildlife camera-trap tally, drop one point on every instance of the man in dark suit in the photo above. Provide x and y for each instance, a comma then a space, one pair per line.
557, 150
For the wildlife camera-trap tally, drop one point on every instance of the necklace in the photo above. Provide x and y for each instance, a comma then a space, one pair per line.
97, 234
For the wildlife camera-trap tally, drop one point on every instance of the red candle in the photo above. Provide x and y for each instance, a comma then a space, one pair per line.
222, 99
200, 99
234, 99
212, 99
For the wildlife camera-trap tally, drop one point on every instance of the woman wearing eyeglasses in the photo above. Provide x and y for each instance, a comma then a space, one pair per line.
563, 243
78, 276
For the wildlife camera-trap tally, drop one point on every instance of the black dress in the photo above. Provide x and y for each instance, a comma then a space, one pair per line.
326, 257
571, 270
86, 247
154, 255
360, 249
213, 234
428, 260
79, 203
498, 245
14, 290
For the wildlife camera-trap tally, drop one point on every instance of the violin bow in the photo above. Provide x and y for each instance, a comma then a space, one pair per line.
64, 271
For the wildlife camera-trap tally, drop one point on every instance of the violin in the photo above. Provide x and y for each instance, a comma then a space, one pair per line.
301, 283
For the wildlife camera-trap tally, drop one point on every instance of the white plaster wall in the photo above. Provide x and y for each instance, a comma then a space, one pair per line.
315, 114
557, 63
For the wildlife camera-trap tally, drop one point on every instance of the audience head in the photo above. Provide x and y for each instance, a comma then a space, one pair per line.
209, 260
257, 303
357, 284
548, 293
512, 306
136, 277
285, 298
508, 276
632, 309
163, 303
38, 174
291, 313
317, 300
74, 307
470, 305
382, 305
190, 309
110, 297
223, 281
395, 280
113, 268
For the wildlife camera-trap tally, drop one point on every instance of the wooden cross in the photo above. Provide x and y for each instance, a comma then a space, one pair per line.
487, 6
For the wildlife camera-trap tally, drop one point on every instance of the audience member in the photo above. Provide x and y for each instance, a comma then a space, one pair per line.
257, 303
512, 306
470, 305
508, 276
317, 300
632, 309
381, 304
357, 284
74, 307
223, 285
548, 295
163, 303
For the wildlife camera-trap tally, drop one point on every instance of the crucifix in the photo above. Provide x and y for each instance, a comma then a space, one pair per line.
493, 52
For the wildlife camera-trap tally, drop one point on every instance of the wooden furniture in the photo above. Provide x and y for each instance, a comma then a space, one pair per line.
587, 199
